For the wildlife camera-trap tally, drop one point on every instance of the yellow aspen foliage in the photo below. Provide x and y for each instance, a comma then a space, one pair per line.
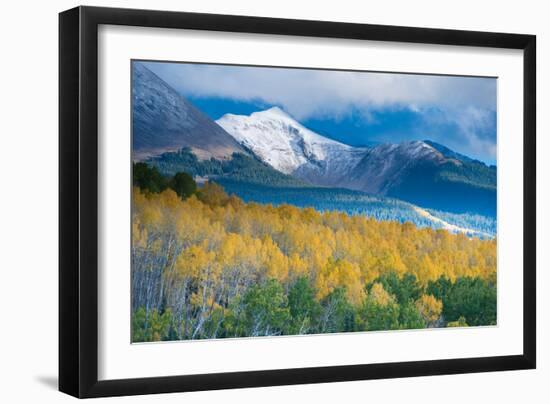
326, 280
379, 295
340, 273
274, 260
349, 277
308, 239
429, 308
193, 261
213, 266
427, 270
220, 244
297, 267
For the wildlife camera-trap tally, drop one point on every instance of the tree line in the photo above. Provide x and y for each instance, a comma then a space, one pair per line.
240, 167
328, 199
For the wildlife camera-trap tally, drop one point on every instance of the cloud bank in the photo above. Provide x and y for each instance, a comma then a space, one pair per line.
467, 103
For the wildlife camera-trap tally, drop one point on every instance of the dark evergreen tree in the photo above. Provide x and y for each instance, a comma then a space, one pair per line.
338, 314
474, 299
405, 289
304, 308
148, 178
183, 185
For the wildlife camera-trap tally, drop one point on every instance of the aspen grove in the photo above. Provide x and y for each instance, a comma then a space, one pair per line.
208, 265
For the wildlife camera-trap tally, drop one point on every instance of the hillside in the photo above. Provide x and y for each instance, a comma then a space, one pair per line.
239, 167
359, 203
163, 120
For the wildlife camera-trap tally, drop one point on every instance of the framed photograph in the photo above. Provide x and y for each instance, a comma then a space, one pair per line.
251, 201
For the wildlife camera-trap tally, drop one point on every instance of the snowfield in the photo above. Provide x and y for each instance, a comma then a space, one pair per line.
286, 145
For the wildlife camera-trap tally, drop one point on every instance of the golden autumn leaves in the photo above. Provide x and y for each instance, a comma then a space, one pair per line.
198, 257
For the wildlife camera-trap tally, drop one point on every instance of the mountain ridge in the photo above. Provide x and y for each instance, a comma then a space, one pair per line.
388, 169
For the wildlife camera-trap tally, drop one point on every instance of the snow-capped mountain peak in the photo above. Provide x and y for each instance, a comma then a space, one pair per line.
274, 112
285, 144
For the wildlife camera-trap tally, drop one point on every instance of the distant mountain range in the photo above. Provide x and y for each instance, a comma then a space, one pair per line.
422, 172
272, 148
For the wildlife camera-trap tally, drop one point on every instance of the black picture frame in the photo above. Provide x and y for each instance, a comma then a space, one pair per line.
78, 201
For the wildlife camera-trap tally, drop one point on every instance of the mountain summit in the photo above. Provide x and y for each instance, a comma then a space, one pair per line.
282, 142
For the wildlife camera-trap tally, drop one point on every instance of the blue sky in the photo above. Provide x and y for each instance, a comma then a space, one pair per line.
357, 108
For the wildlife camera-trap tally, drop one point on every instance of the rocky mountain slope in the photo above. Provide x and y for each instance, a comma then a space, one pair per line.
163, 120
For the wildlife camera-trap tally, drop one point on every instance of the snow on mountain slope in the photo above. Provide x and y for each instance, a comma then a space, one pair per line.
286, 145
449, 226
